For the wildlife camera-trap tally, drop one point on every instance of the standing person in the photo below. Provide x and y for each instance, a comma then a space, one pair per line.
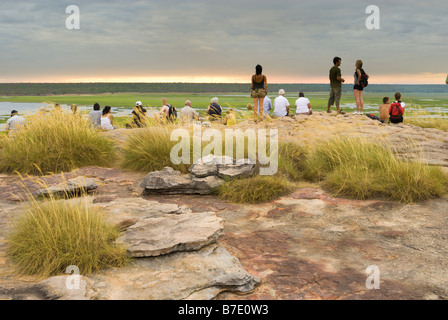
360, 78
267, 106
336, 82
214, 110
188, 114
258, 90
15, 122
281, 105
107, 119
384, 110
95, 116
396, 110
303, 105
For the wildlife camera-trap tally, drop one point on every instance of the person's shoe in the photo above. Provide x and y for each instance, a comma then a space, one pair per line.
341, 112
328, 111
356, 112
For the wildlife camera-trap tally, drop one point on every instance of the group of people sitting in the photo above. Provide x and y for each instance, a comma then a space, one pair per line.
390, 112
281, 105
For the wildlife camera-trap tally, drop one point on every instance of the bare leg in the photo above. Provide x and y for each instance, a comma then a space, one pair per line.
358, 103
260, 106
255, 107
361, 101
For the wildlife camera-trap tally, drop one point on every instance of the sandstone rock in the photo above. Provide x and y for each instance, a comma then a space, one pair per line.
185, 275
236, 171
71, 187
155, 236
133, 209
170, 181
64, 288
202, 170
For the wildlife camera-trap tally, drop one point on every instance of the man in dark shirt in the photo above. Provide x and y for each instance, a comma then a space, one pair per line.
336, 81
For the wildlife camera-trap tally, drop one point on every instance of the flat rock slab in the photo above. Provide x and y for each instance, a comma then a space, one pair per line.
70, 188
170, 181
155, 236
199, 275
133, 209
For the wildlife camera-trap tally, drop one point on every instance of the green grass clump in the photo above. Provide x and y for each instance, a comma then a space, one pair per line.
53, 235
149, 150
291, 161
258, 189
361, 170
54, 143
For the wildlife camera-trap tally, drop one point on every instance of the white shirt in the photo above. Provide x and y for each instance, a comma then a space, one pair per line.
187, 114
302, 105
280, 105
402, 104
14, 122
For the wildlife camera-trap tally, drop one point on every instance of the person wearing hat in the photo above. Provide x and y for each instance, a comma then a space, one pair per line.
281, 105
139, 115
15, 122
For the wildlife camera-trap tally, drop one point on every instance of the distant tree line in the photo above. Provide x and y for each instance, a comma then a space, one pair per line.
45, 89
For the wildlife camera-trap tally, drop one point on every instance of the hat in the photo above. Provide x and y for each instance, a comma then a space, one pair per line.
13, 111
138, 103
281, 91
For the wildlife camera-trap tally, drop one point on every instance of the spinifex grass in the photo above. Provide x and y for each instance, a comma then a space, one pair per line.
54, 234
55, 143
255, 190
355, 168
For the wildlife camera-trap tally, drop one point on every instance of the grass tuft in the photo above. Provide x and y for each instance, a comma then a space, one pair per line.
53, 235
258, 189
54, 143
357, 169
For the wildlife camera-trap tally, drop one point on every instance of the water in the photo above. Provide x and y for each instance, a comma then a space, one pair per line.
27, 109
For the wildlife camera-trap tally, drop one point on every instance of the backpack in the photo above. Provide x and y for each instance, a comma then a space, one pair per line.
396, 110
363, 82
172, 113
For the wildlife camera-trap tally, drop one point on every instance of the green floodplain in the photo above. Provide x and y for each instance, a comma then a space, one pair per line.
236, 100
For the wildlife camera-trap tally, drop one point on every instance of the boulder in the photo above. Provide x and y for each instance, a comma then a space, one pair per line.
155, 236
70, 188
170, 181
236, 171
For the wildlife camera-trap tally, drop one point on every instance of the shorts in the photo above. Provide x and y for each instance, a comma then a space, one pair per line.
335, 96
396, 120
258, 93
356, 87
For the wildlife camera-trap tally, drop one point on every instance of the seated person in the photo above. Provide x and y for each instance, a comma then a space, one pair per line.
15, 122
188, 114
396, 110
107, 119
384, 110
303, 105
95, 116
281, 105
230, 119
139, 115
267, 106
214, 110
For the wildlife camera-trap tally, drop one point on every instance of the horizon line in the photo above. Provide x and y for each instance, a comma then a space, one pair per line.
245, 83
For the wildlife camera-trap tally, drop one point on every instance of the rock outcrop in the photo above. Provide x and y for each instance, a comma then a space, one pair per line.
70, 188
206, 175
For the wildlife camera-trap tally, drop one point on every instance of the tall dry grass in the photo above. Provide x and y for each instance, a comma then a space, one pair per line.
53, 143
53, 234
424, 119
355, 168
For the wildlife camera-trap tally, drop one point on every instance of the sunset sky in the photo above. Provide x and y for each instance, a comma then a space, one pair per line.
221, 41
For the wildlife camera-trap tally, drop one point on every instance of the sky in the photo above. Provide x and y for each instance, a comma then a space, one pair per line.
222, 41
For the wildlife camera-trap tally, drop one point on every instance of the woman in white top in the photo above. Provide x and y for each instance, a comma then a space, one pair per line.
303, 105
107, 119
